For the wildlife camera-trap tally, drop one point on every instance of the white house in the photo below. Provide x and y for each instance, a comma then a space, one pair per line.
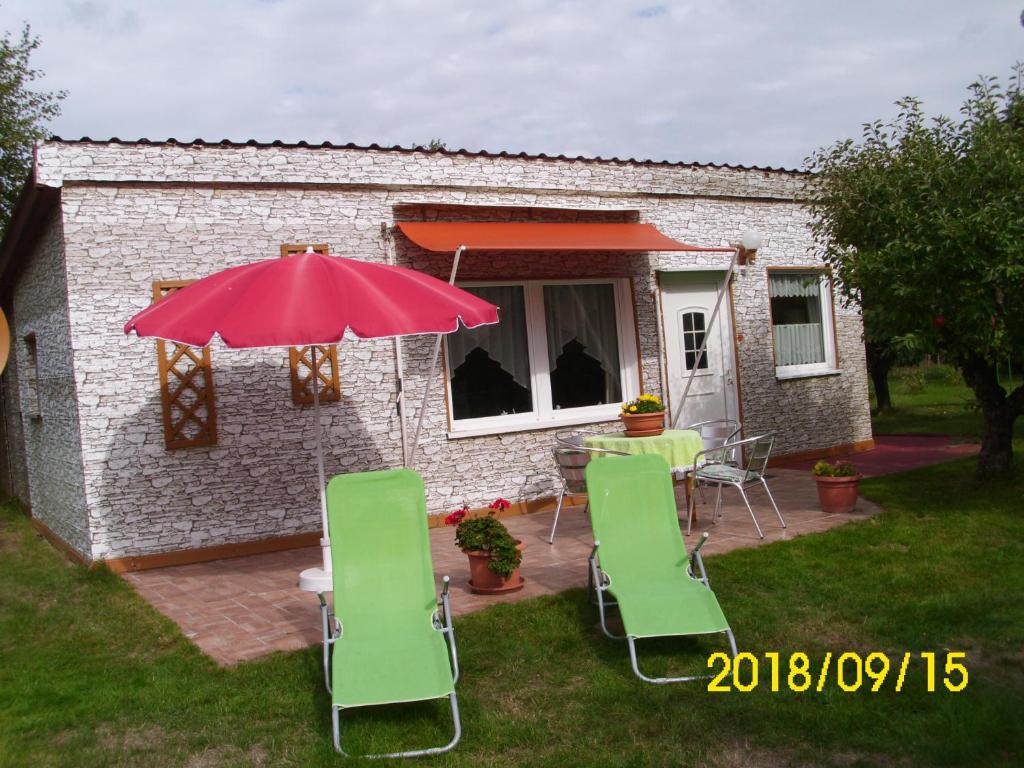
141, 454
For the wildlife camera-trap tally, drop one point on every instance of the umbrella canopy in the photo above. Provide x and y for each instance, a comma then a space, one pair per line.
310, 298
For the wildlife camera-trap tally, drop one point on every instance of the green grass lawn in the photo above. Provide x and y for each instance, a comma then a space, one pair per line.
90, 675
931, 399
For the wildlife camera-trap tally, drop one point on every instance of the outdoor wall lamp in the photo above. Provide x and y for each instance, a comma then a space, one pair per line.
750, 241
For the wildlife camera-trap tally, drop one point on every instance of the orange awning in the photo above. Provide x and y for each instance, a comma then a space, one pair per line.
446, 236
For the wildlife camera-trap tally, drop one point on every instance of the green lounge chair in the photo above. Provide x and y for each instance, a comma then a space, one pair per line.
639, 557
387, 642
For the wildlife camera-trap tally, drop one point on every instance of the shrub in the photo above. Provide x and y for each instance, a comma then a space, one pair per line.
487, 534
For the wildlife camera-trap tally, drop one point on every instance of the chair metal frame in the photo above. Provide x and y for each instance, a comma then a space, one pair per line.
573, 446
602, 583
442, 621
732, 430
759, 449
728, 437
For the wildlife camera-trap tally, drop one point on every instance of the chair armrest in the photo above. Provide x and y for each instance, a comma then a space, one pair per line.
448, 629
697, 463
696, 559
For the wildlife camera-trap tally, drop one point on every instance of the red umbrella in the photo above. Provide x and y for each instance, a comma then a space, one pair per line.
311, 299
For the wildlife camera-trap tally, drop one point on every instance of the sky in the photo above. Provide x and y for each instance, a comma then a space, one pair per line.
716, 81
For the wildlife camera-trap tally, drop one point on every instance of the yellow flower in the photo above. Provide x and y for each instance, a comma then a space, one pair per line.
632, 409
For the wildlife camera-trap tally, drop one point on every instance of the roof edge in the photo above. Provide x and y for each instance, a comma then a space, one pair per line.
279, 144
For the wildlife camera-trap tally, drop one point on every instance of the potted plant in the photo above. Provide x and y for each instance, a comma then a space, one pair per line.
494, 556
837, 485
643, 417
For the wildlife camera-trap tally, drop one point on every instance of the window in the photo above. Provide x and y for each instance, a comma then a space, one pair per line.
33, 408
801, 311
186, 386
692, 334
563, 352
300, 359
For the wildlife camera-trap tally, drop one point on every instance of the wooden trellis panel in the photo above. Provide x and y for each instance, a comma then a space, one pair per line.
186, 386
300, 359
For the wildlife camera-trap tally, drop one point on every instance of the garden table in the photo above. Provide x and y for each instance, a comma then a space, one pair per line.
677, 446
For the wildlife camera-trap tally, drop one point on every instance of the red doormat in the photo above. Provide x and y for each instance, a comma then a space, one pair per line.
898, 453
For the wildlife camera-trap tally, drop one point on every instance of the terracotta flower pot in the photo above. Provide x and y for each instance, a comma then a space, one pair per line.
484, 581
838, 494
643, 424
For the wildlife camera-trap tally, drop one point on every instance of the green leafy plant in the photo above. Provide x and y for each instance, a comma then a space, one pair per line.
834, 469
644, 404
920, 223
24, 113
487, 534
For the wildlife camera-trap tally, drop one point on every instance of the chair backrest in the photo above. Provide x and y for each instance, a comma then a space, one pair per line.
380, 548
757, 450
633, 515
757, 454
716, 432
571, 463
572, 438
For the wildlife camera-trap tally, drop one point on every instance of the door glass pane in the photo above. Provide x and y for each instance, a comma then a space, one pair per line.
489, 367
796, 318
583, 345
693, 336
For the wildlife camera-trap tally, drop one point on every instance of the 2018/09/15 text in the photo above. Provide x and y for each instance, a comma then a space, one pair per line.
850, 670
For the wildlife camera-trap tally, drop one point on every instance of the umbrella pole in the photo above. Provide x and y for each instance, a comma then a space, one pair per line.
433, 367
325, 542
392, 260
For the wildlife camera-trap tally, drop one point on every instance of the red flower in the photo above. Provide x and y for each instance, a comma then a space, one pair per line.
456, 517
500, 504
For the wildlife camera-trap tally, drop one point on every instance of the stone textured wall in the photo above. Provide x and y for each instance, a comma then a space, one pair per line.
259, 480
52, 442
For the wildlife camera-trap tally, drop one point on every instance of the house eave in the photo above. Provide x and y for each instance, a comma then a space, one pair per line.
35, 204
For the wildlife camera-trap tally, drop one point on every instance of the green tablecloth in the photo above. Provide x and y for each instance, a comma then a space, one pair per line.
678, 446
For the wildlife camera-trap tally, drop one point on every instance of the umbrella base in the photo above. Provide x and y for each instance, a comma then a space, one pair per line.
316, 580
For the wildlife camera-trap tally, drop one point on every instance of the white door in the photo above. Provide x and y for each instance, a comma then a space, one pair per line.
687, 301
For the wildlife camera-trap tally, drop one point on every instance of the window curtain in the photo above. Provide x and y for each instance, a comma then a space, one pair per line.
787, 285
505, 342
586, 313
798, 343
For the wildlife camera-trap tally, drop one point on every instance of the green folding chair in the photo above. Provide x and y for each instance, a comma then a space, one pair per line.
639, 558
385, 641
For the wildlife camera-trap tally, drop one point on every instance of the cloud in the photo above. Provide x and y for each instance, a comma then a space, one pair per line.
730, 81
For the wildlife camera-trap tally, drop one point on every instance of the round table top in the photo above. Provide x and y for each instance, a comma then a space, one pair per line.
678, 446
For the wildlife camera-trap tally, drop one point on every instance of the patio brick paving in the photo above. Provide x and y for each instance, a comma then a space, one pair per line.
241, 608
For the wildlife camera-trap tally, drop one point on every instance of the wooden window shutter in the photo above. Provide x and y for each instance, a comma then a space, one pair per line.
300, 359
186, 386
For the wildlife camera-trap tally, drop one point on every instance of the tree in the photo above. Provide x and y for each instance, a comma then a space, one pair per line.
922, 222
23, 113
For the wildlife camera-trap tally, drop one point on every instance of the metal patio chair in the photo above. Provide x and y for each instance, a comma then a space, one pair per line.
640, 559
571, 460
714, 433
714, 467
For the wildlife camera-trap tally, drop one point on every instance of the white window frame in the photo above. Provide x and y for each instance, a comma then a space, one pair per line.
827, 329
544, 415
